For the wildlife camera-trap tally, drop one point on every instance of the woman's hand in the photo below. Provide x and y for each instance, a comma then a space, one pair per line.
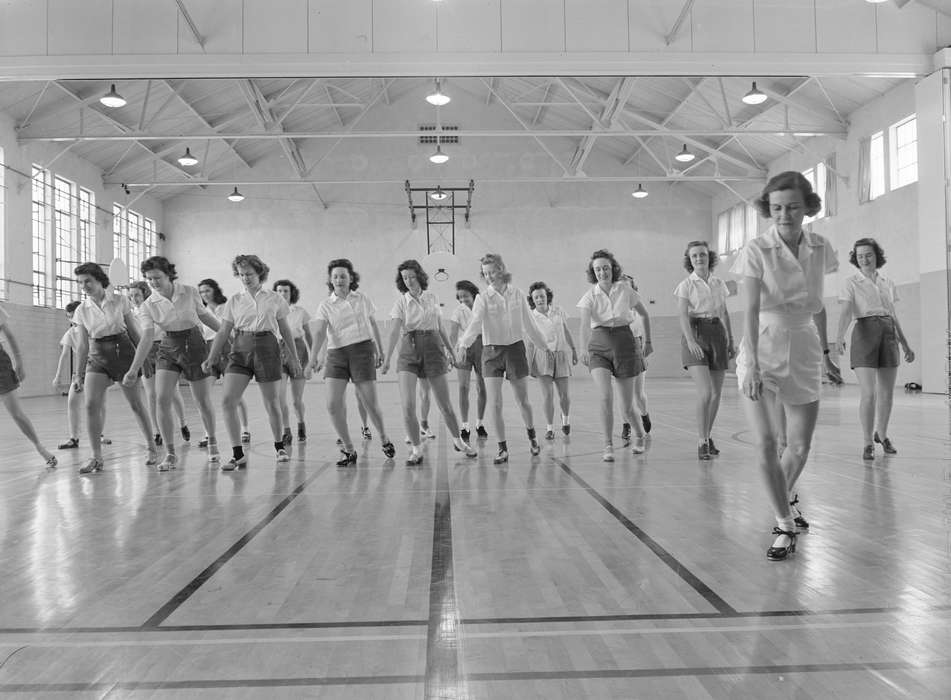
586, 359
648, 348
385, 367
909, 355
295, 368
694, 348
130, 378
731, 350
753, 384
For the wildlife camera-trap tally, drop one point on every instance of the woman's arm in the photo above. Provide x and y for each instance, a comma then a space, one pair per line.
725, 317
379, 341
320, 335
14, 351
82, 354
845, 318
585, 334
142, 349
221, 337
571, 341
393, 340
61, 366
909, 353
208, 318
648, 345
288, 335
752, 384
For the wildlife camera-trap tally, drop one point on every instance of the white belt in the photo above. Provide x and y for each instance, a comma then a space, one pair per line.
795, 319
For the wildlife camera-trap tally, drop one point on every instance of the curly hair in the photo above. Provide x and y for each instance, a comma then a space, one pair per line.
879, 251
421, 275
94, 271
789, 180
252, 261
157, 262
496, 259
712, 257
295, 292
607, 255
72, 306
467, 286
216, 294
348, 266
142, 287
539, 285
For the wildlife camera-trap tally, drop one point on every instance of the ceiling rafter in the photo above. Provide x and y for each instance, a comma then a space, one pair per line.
694, 86
620, 94
541, 108
176, 88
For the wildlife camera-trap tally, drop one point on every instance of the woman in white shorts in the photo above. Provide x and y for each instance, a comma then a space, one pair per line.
551, 366
781, 356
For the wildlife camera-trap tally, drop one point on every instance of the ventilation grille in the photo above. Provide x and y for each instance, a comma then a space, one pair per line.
431, 139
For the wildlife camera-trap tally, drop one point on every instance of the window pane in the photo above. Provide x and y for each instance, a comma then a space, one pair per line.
737, 226
40, 236
903, 143
876, 165
66, 246
723, 232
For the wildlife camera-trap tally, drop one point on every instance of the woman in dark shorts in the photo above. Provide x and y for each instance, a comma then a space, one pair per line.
466, 293
423, 354
107, 339
345, 320
257, 316
869, 297
299, 321
501, 315
176, 311
210, 292
10, 378
609, 350
706, 346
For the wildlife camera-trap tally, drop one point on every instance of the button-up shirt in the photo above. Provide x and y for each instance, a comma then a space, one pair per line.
70, 338
109, 319
870, 297
789, 284
255, 313
176, 314
502, 318
297, 318
417, 313
208, 332
612, 308
348, 318
704, 298
552, 326
461, 316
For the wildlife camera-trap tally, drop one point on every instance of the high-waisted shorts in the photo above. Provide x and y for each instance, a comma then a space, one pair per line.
183, 352
423, 354
507, 361
8, 376
473, 360
255, 354
148, 367
302, 356
874, 343
614, 349
110, 355
790, 357
711, 336
558, 367
219, 367
355, 362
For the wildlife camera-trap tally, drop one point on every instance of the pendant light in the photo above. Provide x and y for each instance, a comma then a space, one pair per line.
438, 157
640, 192
188, 159
437, 98
438, 195
684, 156
112, 98
236, 196
755, 96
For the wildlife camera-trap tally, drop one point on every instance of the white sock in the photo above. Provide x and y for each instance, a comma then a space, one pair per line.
465, 426
479, 423
550, 428
565, 420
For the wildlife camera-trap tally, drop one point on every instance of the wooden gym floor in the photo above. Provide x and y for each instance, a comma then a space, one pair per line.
553, 577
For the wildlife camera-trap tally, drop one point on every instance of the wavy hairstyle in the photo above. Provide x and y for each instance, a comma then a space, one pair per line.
157, 262
467, 286
495, 259
607, 255
94, 271
348, 266
879, 251
421, 275
217, 295
712, 257
252, 261
142, 287
539, 285
295, 292
789, 180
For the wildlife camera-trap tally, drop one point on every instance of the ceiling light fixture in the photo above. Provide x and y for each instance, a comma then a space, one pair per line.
188, 159
755, 96
684, 156
113, 98
437, 98
640, 192
236, 196
438, 195
438, 156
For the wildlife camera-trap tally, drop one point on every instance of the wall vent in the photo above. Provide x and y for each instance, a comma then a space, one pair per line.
430, 139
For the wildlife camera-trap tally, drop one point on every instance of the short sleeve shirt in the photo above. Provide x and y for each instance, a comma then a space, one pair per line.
461, 315
417, 313
870, 297
255, 313
176, 314
789, 284
208, 332
297, 318
109, 319
552, 326
70, 338
612, 308
499, 316
704, 298
348, 318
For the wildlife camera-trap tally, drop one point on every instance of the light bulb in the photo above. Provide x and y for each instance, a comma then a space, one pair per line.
639, 193
188, 159
112, 98
754, 96
236, 196
684, 156
437, 98
438, 156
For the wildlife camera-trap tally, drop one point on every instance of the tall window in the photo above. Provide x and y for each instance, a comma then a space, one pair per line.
65, 234
41, 236
735, 227
903, 152
133, 238
817, 178
876, 165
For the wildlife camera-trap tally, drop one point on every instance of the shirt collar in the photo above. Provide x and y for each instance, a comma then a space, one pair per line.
352, 294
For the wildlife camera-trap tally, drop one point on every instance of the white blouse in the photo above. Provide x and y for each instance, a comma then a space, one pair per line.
614, 308
417, 314
870, 297
501, 318
553, 326
256, 313
348, 318
109, 319
704, 298
176, 314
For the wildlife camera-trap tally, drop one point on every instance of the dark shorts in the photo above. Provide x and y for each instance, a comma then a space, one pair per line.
639, 344
218, 368
710, 334
614, 349
874, 343
473, 359
354, 362
423, 354
183, 352
148, 367
9, 380
111, 355
302, 355
255, 354
507, 361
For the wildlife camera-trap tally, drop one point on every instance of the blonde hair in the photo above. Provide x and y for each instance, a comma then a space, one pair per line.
496, 259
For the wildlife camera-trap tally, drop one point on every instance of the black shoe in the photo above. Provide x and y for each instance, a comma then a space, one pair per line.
186, 434
347, 459
287, 438
646, 422
868, 452
780, 553
713, 448
365, 432
203, 443
549, 434
535, 448
886, 444
389, 450
501, 458
301, 432
70, 444
158, 439
480, 431
801, 522
464, 434
626, 434
566, 429
703, 451
245, 437
414, 459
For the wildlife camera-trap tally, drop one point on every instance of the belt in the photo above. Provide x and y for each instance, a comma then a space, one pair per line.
704, 319
422, 332
879, 316
612, 329
109, 338
181, 334
256, 334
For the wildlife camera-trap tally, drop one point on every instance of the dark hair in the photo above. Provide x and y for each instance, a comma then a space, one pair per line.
467, 286
346, 264
142, 287
615, 265
216, 295
539, 285
630, 279
72, 306
879, 251
295, 292
157, 262
252, 261
421, 275
712, 257
496, 259
94, 271
789, 180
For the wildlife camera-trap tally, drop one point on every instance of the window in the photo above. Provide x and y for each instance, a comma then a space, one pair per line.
41, 236
723, 232
876, 164
735, 227
817, 178
65, 234
3, 218
903, 152
133, 238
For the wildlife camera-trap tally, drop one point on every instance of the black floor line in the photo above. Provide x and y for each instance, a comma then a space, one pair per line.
669, 559
185, 593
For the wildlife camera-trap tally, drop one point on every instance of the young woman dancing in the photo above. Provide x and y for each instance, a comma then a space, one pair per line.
553, 324
299, 321
466, 293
